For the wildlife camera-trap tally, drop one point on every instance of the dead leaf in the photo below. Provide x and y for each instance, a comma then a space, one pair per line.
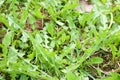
39, 24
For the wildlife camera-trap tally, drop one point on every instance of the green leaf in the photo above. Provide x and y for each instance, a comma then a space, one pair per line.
12, 55
4, 20
1, 2
68, 6
50, 28
13, 23
24, 16
68, 50
7, 41
94, 60
31, 19
114, 76
52, 13
113, 49
103, 19
104, 1
59, 23
71, 76
24, 37
78, 44
8, 38
23, 77
71, 23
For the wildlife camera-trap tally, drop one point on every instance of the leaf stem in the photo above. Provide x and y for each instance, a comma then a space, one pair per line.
111, 21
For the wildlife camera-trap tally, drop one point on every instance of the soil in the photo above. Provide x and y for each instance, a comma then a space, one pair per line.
85, 6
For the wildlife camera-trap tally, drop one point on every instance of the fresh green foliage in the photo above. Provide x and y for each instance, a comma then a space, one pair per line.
51, 40
114, 76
